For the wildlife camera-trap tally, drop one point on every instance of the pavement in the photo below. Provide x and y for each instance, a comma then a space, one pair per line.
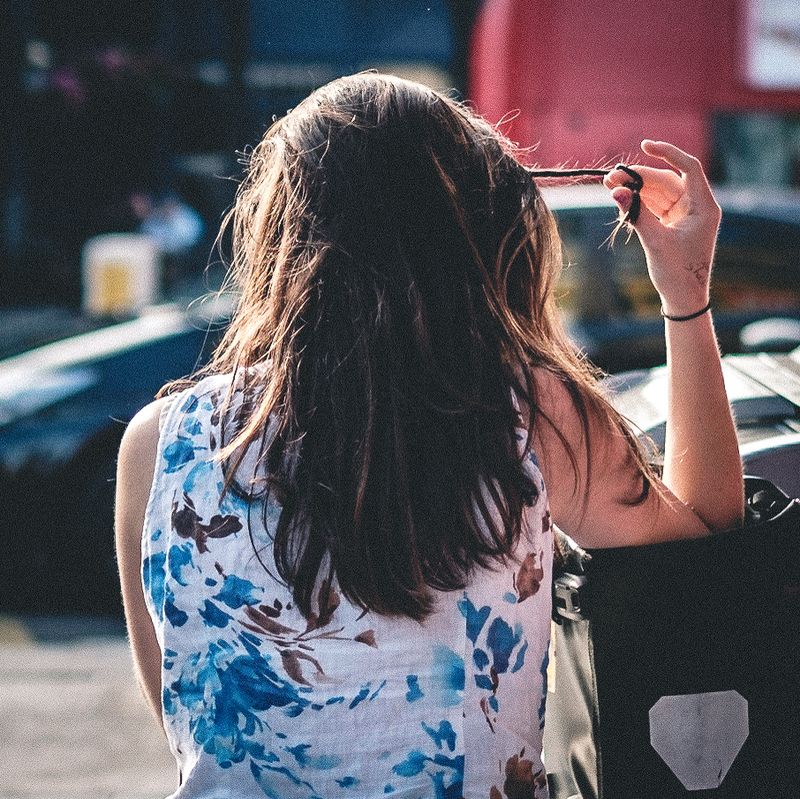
73, 724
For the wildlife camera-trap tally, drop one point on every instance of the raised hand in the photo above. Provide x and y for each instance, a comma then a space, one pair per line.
677, 225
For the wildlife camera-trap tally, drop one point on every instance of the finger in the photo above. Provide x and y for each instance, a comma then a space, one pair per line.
698, 191
674, 156
623, 198
661, 189
617, 177
646, 224
646, 221
650, 175
697, 185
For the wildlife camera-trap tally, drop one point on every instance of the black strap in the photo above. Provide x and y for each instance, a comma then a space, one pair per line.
634, 184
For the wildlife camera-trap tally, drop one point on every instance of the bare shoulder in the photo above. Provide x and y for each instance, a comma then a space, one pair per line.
557, 419
135, 466
592, 478
142, 431
559, 439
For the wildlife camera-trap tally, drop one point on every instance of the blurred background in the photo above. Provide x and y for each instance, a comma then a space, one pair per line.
123, 126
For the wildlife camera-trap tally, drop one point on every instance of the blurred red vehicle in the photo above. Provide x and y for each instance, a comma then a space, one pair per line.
586, 82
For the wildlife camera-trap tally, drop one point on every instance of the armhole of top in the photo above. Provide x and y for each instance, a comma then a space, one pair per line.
531, 452
169, 421
162, 414
532, 467
165, 427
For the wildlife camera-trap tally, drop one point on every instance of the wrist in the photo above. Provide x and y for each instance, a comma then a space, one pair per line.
683, 306
687, 317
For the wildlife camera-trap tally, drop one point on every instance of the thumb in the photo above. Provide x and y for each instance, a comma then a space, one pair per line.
646, 222
623, 197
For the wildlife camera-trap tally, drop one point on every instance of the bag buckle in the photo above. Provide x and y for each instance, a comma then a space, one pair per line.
570, 598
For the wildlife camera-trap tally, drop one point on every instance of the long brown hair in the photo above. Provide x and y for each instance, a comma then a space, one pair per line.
395, 264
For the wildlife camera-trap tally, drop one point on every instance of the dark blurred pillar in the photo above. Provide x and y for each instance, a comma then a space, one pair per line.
12, 219
236, 54
462, 16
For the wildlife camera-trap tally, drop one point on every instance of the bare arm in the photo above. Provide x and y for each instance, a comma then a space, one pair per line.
702, 485
678, 229
701, 454
593, 505
137, 457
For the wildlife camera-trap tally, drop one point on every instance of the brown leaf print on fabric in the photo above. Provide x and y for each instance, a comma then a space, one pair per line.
485, 708
495, 678
367, 637
294, 646
520, 782
327, 601
215, 414
546, 522
223, 526
494, 793
265, 623
270, 611
529, 577
187, 524
263, 620
291, 663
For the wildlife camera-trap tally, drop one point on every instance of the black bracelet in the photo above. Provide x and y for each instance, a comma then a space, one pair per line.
688, 317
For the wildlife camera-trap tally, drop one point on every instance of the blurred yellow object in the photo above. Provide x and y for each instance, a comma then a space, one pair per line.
121, 274
115, 288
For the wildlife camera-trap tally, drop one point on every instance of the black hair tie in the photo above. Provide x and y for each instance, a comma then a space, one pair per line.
635, 184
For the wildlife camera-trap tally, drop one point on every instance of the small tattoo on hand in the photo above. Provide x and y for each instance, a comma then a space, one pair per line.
699, 270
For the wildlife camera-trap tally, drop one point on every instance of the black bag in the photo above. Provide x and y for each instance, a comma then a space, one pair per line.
693, 644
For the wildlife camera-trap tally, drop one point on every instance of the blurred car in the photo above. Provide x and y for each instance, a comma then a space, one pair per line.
612, 309
25, 328
63, 406
764, 391
63, 409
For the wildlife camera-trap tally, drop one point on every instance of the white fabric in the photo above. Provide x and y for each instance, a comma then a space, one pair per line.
259, 701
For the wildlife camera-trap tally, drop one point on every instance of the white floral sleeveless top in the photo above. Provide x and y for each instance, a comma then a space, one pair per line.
259, 701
